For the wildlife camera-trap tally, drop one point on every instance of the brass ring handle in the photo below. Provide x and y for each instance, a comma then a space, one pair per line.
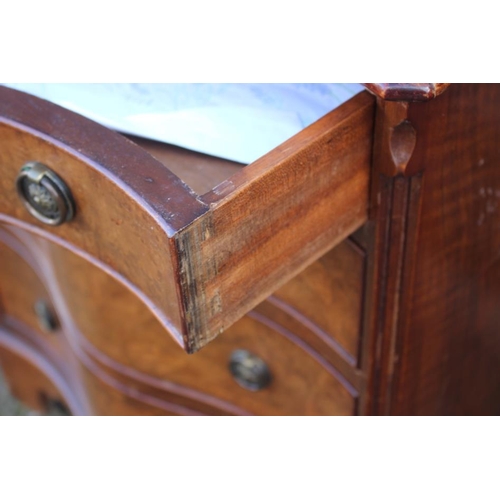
45, 194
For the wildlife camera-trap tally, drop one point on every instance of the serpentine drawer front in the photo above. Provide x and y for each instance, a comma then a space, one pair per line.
198, 260
84, 330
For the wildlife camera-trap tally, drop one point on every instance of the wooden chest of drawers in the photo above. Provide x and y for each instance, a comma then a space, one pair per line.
350, 271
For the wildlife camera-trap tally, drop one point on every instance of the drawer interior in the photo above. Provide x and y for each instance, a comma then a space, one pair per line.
199, 171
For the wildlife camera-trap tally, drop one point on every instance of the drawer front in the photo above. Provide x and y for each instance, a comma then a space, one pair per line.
329, 293
24, 300
127, 205
33, 379
298, 384
302, 382
109, 398
200, 261
121, 344
29, 384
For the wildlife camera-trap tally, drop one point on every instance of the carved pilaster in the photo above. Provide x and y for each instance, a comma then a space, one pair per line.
394, 208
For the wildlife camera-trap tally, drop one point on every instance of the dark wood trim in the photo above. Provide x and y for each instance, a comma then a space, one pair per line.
407, 91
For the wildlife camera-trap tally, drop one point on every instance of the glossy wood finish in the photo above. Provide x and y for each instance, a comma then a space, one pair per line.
204, 261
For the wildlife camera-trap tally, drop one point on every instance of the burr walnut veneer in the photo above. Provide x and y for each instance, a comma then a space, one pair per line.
352, 270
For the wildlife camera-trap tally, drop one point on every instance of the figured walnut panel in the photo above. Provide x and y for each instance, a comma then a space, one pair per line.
441, 339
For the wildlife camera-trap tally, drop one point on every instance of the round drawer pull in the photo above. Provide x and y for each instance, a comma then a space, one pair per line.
250, 371
46, 318
45, 194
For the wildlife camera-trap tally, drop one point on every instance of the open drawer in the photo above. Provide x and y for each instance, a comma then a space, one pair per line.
199, 260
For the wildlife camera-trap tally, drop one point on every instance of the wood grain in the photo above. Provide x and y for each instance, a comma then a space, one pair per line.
439, 344
275, 217
452, 333
427, 299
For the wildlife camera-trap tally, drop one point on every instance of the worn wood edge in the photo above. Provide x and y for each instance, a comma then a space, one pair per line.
190, 286
194, 272
195, 304
407, 91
